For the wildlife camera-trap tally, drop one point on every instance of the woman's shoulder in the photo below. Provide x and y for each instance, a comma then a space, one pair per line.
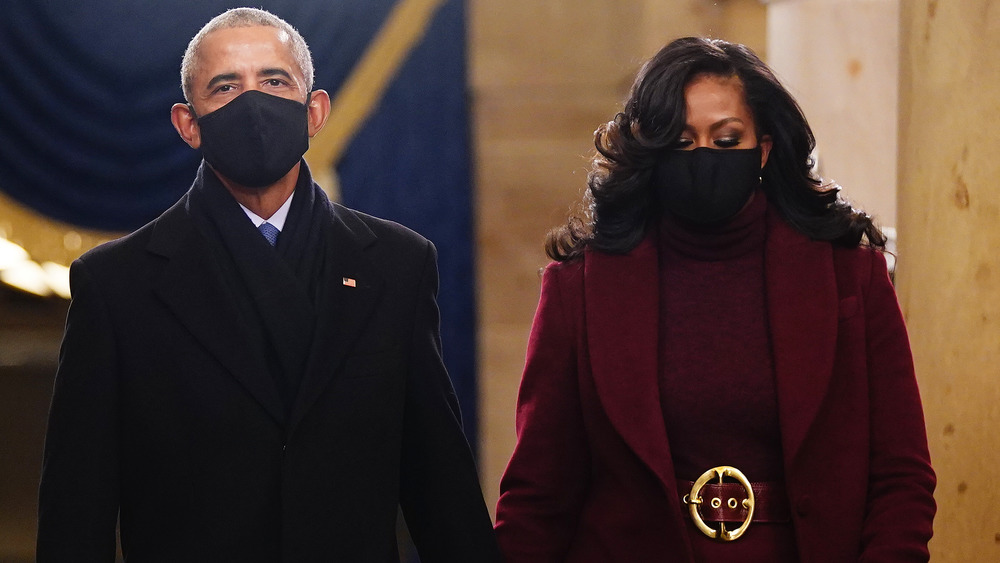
862, 262
564, 272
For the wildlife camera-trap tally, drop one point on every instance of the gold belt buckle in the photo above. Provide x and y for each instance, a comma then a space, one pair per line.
694, 500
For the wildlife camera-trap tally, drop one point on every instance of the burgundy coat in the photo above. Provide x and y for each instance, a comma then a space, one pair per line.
591, 478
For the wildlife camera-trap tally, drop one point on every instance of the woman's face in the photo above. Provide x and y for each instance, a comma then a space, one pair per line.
718, 116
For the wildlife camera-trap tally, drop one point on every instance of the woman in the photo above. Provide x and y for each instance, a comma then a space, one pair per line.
718, 369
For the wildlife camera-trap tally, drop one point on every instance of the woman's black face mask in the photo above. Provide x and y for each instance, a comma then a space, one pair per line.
255, 139
706, 186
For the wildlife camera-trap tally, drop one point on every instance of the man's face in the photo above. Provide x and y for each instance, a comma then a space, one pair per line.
236, 60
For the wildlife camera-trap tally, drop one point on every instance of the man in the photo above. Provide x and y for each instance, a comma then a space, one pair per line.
229, 393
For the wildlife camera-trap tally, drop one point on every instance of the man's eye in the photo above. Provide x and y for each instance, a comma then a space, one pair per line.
275, 82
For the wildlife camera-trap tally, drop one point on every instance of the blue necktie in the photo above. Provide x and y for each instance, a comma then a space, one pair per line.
270, 232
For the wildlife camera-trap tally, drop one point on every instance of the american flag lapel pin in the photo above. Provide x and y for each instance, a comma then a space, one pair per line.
349, 282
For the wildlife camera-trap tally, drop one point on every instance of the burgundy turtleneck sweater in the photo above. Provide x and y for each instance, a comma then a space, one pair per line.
716, 376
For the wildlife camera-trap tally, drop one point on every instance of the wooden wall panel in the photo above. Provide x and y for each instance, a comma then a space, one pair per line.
948, 269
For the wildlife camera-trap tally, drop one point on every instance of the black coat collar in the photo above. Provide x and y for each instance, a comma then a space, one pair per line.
192, 288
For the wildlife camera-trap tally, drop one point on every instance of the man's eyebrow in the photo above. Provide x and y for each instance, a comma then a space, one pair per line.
275, 72
221, 78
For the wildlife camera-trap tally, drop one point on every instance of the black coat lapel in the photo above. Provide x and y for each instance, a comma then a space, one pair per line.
191, 287
354, 287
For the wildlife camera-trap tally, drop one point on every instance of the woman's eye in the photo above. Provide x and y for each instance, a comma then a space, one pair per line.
680, 144
727, 142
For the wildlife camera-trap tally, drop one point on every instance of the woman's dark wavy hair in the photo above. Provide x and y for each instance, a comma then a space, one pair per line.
620, 206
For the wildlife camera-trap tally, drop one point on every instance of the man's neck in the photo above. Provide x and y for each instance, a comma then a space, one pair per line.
265, 201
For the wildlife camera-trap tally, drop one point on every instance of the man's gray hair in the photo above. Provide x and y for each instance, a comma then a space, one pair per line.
245, 17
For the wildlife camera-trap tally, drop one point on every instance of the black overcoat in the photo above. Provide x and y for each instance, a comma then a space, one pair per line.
163, 413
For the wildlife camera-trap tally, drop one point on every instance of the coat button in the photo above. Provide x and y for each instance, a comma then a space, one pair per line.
803, 505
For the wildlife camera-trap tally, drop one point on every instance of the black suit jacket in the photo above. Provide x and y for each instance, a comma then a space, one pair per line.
162, 412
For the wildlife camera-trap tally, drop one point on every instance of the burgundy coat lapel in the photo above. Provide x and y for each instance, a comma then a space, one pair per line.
622, 312
802, 309
622, 317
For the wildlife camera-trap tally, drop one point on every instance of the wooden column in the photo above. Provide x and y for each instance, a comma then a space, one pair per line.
948, 270
840, 59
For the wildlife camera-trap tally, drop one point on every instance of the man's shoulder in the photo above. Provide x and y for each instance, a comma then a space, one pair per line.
384, 230
132, 246
118, 248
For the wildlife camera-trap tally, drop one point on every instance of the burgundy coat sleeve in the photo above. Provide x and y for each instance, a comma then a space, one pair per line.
900, 506
544, 485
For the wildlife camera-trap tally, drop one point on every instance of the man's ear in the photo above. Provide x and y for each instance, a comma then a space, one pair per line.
765, 149
318, 110
186, 124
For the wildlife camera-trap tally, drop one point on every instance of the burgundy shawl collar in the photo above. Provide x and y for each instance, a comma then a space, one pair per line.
622, 316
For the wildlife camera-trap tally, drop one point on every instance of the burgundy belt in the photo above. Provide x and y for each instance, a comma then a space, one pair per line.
770, 502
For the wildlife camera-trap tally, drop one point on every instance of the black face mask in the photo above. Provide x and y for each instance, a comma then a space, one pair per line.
707, 186
256, 138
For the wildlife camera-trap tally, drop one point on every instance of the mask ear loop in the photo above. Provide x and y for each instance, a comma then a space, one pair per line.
760, 177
